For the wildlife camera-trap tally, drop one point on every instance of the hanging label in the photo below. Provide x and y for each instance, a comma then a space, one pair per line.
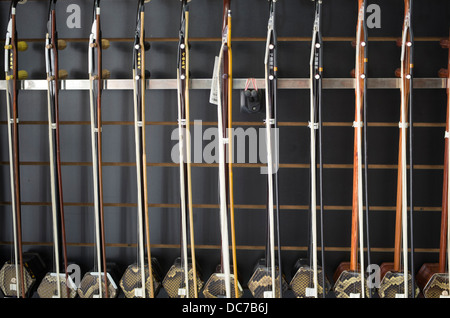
268, 294
12, 287
311, 292
358, 295
138, 292
213, 97
181, 291
400, 296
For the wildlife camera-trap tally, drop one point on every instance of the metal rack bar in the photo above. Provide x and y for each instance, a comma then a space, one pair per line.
239, 83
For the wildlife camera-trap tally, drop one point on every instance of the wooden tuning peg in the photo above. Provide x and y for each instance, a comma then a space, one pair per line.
22, 75
353, 73
105, 44
398, 73
399, 42
22, 46
445, 43
443, 73
63, 74
62, 44
106, 74
147, 46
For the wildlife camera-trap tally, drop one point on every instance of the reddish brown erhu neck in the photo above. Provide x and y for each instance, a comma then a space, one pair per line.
403, 112
444, 215
359, 98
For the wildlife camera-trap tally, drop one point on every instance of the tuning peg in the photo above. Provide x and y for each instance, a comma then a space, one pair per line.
445, 43
22, 75
105, 44
62, 44
398, 73
443, 73
63, 74
147, 46
22, 46
352, 73
147, 74
106, 74
399, 42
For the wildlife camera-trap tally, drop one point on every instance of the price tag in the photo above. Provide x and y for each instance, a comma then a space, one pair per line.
268, 294
311, 292
138, 292
213, 97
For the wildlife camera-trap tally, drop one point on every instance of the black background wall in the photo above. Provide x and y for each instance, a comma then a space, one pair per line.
294, 26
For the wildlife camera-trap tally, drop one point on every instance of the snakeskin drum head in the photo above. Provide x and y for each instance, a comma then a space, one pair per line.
215, 287
174, 282
348, 285
9, 283
260, 284
302, 284
131, 282
89, 286
392, 286
437, 287
48, 288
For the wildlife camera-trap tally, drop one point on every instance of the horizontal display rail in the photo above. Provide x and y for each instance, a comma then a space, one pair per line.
237, 206
248, 39
235, 165
239, 247
238, 83
236, 123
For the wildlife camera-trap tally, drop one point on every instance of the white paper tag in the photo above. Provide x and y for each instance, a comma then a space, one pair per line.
268, 294
444, 296
213, 97
138, 292
12, 287
311, 292
400, 296
181, 291
358, 295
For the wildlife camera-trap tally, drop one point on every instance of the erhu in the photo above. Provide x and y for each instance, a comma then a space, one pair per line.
55, 284
136, 281
267, 280
432, 278
350, 278
183, 279
19, 275
97, 283
308, 280
396, 280
222, 283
